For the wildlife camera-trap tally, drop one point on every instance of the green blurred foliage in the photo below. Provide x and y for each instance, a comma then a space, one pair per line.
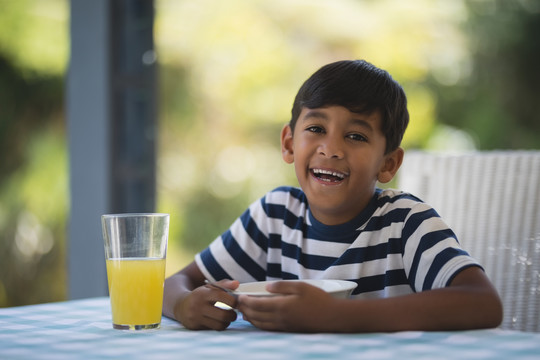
33, 35
495, 98
33, 165
229, 71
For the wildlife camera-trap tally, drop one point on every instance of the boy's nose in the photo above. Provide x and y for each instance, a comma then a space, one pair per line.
331, 149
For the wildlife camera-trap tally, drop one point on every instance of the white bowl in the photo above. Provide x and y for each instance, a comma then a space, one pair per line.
340, 289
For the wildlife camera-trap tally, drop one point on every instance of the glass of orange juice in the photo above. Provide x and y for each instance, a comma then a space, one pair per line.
135, 252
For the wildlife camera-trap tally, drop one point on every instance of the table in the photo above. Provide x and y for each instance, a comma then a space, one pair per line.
81, 329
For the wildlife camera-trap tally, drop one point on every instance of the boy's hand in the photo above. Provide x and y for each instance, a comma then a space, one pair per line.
196, 311
302, 307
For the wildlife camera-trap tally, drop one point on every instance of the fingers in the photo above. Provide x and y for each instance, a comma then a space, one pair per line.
293, 309
263, 312
209, 323
218, 294
259, 304
253, 305
218, 319
198, 310
229, 284
288, 287
226, 286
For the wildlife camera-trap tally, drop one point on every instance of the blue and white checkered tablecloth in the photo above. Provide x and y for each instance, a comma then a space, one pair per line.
82, 329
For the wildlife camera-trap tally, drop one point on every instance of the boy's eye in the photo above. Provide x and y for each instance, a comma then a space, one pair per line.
357, 137
315, 129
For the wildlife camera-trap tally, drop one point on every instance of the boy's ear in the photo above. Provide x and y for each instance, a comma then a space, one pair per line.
392, 162
287, 151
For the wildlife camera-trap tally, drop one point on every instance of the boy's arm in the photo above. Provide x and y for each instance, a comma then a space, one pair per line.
470, 302
186, 299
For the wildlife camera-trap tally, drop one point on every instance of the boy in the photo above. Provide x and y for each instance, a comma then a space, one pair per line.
347, 123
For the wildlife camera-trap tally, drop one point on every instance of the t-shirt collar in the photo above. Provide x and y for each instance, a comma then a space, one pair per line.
350, 226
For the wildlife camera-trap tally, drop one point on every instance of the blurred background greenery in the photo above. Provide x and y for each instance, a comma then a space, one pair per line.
229, 71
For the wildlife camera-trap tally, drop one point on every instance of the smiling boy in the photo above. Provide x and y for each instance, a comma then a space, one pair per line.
347, 123
338, 157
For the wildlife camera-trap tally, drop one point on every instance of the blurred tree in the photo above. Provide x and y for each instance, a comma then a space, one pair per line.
30, 102
33, 177
496, 99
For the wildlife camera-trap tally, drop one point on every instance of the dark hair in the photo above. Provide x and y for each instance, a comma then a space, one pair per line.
361, 88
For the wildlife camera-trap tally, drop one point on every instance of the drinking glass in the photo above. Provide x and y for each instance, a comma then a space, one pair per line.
135, 252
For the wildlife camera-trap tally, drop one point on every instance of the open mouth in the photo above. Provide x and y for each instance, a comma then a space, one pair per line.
328, 176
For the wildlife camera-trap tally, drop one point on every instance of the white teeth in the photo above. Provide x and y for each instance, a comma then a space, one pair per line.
328, 172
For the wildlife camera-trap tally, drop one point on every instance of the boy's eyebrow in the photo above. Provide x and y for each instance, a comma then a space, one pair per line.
316, 114
321, 115
363, 123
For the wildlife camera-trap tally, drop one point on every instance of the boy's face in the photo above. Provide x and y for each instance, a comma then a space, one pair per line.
338, 156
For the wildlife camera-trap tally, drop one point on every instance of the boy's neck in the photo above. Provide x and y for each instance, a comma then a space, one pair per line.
333, 218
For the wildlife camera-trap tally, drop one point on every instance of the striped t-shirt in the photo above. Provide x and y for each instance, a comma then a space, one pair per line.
397, 245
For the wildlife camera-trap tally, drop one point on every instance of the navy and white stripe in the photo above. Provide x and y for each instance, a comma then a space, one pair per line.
397, 245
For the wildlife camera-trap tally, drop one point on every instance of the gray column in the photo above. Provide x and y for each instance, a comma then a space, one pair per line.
111, 127
134, 129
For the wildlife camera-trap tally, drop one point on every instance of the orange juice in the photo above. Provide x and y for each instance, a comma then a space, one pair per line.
136, 291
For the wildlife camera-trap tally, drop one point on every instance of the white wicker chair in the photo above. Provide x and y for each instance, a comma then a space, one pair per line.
492, 201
